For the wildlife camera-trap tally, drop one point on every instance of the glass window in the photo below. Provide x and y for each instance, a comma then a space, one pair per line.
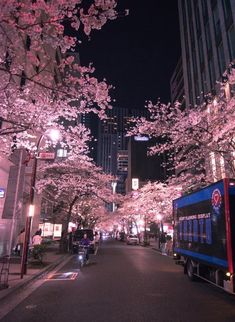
189, 74
222, 63
231, 41
200, 47
216, 22
192, 38
227, 8
213, 3
204, 10
208, 37
204, 82
194, 64
212, 71
197, 16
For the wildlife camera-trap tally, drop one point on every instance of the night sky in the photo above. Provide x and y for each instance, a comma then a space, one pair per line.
137, 54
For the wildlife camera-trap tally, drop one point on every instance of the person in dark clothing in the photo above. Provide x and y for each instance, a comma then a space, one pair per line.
163, 242
85, 241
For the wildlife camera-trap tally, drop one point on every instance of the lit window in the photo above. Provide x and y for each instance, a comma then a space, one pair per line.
62, 153
213, 165
222, 168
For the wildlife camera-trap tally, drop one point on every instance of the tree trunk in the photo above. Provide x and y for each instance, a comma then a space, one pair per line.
64, 244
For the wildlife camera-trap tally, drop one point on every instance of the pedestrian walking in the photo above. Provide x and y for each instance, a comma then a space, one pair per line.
163, 243
37, 239
97, 240
169, 245
20, 242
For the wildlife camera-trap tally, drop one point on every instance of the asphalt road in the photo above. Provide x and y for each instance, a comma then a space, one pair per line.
124, 284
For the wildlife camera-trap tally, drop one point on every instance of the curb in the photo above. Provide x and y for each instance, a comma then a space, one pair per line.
29, 279
156, 249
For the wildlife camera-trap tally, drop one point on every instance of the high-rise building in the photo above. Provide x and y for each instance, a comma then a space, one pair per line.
207, 30
177, 84
113, 143
141, 166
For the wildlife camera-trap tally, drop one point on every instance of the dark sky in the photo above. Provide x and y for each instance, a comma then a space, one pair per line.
138, 53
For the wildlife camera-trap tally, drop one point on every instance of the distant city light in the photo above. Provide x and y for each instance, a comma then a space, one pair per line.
135, 184
62, 153
141, 138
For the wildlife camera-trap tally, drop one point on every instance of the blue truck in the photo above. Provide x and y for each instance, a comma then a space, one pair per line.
204, 234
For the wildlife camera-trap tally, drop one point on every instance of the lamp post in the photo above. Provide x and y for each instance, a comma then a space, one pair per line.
145, 231
114, 185
54, 135
159, 219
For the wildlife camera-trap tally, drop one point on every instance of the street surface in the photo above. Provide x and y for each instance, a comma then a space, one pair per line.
124, 284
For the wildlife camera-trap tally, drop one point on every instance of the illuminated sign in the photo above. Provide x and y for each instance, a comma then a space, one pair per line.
141, 138
135, 183
196, 228
2, 193
57, 230
47, 155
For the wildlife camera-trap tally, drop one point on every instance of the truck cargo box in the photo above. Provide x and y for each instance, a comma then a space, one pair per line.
204, 225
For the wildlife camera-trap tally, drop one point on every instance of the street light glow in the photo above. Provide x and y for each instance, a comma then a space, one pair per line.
31, 210
159, 217
54, 135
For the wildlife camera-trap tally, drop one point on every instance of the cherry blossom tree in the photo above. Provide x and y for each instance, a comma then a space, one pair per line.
148, 204
90, 212
82, 186
42, 85
191, 136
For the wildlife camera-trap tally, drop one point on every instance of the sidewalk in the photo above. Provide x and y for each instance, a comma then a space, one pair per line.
155, 246
51, 259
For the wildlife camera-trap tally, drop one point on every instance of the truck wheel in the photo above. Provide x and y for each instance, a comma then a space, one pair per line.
190, 270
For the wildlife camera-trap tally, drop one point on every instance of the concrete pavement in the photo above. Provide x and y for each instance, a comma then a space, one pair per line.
123, 283
51, 259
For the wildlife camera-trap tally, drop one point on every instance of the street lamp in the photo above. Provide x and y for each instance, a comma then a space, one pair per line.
159, 219
54, 136
114, 185
145, 231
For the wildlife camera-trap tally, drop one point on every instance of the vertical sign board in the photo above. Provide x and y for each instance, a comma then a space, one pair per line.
57, 230
135, 184
200, 226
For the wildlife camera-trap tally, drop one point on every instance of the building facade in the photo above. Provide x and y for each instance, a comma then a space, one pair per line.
207, 31
177, 84
141, 166
16, 170
112, 148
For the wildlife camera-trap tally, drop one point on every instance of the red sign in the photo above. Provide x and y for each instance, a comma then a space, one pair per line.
47, 155
216, 198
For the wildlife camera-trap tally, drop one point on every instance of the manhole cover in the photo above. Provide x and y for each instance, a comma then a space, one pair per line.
62, 276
